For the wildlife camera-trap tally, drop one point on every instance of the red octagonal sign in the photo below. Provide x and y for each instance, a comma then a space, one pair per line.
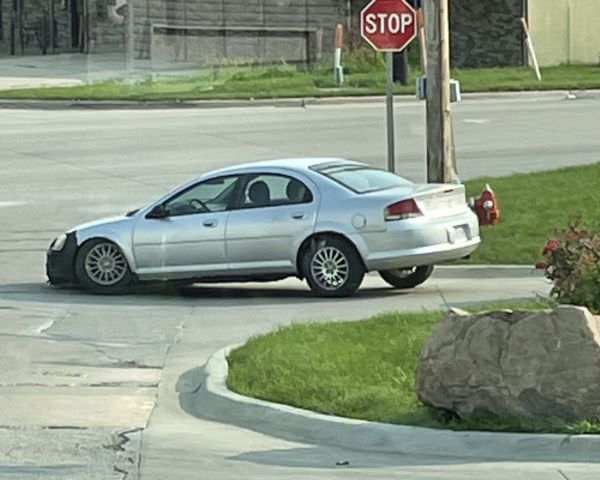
388, 25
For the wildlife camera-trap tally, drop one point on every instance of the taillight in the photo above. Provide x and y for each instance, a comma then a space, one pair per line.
402, 210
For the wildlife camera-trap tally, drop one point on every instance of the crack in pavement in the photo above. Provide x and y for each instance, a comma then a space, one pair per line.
120, 440
124, 384
114, 364
125, 473
562, 474
126, 445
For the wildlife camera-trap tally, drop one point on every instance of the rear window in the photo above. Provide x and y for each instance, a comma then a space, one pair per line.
361, 178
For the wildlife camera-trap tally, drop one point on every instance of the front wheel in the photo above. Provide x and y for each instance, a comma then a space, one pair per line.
407, 277
333, 268
101, 267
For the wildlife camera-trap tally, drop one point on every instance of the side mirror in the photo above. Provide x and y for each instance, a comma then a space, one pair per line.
158, 212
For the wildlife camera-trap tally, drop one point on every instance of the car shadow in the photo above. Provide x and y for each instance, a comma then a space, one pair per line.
169, 294
332, 458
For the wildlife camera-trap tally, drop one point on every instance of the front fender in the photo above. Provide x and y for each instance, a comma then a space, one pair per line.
122, 239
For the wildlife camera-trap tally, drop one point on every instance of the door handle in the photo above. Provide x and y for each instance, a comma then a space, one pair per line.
209, 223
298, 216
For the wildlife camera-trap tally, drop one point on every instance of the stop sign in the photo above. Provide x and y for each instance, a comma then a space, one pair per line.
388, 25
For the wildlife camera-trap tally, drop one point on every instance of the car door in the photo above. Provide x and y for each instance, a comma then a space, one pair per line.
274, 214
190, 240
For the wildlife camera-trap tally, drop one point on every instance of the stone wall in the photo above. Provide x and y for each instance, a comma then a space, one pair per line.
483, 33
29, 38
36, 19
486, 33
105, 35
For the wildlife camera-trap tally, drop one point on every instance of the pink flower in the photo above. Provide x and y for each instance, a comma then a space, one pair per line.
551, 246
541, 265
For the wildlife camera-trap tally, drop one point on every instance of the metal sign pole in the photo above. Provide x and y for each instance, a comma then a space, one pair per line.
390, 112
389, 26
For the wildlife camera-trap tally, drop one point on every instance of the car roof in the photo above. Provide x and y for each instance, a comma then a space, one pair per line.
297, 164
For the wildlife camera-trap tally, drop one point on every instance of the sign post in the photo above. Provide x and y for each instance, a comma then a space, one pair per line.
389, 101
389, 26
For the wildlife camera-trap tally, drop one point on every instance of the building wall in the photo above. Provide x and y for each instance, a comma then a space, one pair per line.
565, 31
105, 35
319, 14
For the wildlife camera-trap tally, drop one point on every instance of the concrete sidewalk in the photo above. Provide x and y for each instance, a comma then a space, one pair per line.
33, 71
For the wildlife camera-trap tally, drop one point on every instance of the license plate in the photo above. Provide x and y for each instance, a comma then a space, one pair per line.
458, 234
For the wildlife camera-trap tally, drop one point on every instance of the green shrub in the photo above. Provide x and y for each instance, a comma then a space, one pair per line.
278, 71
325, 82
363, 60
573, 264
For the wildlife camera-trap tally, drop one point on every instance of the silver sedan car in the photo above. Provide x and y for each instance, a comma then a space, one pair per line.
328, 221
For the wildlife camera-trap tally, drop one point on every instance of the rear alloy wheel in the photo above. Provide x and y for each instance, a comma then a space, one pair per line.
407, 277
101, 267
333, 268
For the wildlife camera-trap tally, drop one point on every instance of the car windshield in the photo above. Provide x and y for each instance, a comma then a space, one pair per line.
361, 178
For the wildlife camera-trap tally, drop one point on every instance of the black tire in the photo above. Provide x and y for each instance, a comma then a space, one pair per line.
90, 278
400, 279
339, 282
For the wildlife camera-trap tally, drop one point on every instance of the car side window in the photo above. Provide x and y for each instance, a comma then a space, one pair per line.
215, 195
270, 190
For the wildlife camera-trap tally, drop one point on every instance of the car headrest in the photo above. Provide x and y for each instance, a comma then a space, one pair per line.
259, 193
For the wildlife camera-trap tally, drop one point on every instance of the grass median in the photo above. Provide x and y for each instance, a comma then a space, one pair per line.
362, 370
365, 75
532, 207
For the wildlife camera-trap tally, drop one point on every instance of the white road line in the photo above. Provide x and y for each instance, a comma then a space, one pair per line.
477, 121
8, 204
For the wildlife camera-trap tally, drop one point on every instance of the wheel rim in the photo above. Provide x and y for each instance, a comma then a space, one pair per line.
330, 268
403, 272
105, 264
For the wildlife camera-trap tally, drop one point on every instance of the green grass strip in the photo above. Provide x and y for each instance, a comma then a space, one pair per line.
532, 207
365, 75
362, 370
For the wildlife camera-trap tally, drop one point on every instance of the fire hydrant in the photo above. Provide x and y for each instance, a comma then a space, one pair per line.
486, 207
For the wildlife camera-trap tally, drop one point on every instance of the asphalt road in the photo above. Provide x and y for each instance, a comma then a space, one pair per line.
88, 384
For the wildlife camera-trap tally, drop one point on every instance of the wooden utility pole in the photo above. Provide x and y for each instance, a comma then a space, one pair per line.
52, 29
440, 144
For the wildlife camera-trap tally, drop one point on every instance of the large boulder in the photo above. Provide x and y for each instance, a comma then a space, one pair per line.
514, 363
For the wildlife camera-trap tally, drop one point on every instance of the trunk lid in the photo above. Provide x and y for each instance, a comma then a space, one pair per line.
440, 200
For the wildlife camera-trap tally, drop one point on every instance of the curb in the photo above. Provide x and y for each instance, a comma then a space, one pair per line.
212, 400
283, 102
486, 271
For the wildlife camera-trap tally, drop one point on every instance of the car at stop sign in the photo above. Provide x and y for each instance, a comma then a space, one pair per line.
327, 220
